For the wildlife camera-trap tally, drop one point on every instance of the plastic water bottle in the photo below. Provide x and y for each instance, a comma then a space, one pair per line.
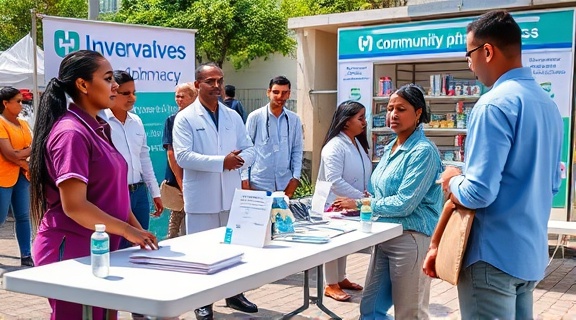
366, 216
281, 216
100, 251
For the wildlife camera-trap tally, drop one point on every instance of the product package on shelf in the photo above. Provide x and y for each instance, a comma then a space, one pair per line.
379, 142
379, 120
449, 153
459, 140
447, 85
462, 111
379, 117
385, 87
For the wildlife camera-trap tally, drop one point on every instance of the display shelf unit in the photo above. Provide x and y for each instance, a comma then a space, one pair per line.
469, 98
430, 131
449, 103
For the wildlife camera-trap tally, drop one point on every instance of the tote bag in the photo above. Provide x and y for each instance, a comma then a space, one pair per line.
453, 244
171, 197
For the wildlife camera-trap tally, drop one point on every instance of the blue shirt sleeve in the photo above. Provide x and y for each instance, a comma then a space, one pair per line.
485, 158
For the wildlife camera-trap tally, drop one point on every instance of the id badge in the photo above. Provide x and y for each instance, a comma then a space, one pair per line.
276, 148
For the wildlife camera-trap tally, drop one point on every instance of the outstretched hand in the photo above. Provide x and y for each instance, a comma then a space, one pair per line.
233, 161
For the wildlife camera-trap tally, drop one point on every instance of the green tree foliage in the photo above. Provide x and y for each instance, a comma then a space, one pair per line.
375, 4
235, 30
16, 21
299, 8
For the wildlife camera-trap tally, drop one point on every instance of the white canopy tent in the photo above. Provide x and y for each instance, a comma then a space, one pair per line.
17, 65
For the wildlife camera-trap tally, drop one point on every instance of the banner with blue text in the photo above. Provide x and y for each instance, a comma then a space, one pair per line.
157, 58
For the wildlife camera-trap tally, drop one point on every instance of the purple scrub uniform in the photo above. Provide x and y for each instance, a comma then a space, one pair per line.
79, 147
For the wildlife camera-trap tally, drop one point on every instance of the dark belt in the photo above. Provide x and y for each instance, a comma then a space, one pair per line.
133, 187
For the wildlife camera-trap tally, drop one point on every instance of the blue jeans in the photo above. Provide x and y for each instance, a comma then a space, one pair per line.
19, 197
486, 292
140, 206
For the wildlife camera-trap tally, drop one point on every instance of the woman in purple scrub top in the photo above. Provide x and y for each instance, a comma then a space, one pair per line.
78, 178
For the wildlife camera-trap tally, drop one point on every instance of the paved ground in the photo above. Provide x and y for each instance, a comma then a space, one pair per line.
555, 296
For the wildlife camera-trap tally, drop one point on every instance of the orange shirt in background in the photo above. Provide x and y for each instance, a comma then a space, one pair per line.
20, 137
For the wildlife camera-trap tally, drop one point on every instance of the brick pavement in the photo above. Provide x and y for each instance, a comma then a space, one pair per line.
555, 296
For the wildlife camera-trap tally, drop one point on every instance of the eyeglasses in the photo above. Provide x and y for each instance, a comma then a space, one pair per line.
468, 53
126, 93
213, 82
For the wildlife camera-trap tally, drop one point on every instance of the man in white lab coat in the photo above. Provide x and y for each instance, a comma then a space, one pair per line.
211, 145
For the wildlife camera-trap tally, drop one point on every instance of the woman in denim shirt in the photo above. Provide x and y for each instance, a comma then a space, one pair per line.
404, 191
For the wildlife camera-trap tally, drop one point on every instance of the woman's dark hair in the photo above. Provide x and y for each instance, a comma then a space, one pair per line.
121, 77
344, 112
6, 94
53, 105
414, 94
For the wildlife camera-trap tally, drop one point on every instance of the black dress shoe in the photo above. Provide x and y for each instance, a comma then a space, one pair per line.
204, 313
240, 303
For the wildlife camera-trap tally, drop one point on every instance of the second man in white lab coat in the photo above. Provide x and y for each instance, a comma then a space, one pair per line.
211, 145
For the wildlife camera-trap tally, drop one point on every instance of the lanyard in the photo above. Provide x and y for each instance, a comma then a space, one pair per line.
268, 126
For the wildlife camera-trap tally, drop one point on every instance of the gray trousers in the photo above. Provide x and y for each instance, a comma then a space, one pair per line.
335, 270
198, 222
395, 278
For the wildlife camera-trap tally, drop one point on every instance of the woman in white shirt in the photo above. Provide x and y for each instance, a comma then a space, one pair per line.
346, 164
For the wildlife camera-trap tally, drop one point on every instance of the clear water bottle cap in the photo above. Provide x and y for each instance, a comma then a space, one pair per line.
100, 227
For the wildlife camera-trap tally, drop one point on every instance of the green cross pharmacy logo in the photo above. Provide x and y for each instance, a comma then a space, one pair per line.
66, 42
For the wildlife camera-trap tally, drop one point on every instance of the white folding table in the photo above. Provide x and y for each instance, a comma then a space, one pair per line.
563, 229
132, 288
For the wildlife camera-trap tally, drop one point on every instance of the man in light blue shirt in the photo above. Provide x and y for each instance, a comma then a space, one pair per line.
277, 136
511, 174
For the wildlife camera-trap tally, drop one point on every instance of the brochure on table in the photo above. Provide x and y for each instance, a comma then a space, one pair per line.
321, 192
547, 44
249, 219
184, 258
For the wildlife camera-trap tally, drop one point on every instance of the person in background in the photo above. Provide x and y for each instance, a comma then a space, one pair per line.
231, 102
185, 95
404, 191
345, 162
78, 178
15, 142
211, 146
129, 138
507, 250
277, 136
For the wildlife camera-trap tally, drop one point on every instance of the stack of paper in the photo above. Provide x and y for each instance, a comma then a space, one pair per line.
201, 260
319, 232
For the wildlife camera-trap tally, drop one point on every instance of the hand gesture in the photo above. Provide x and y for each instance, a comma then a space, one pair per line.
342, 203
141, 237
448, 174
233, 161
246, 185
291, 187
158, 206
429, 266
